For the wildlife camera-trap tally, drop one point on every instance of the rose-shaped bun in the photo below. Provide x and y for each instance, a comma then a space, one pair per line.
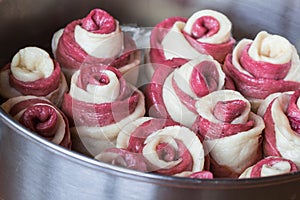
40, 116
172, 93
176, 40
231, 133
99, 104
168, 147
282, 133
270, 166
96, 39
33, 72
265, 65
123, 158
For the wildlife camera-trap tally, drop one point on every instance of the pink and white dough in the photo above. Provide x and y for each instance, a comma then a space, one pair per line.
167, 147
33, 72
230, 132
100, 102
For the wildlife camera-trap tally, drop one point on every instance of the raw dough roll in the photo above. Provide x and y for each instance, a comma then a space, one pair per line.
96, 39
168, 147
99, 104
270, 166
281, 135
231, 133
263, 66
40, 116
33, 72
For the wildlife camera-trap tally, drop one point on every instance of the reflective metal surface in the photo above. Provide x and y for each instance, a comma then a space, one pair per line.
31, 168
31, 22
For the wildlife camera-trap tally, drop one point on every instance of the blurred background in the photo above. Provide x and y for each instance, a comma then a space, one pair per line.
33, 22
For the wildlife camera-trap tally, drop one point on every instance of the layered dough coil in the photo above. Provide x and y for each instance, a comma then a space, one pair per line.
33, 72
176, 40
265, 65
40, 116
231, 133
270, 166
99, 104
166, 147
96, 39
282, 119
172, 93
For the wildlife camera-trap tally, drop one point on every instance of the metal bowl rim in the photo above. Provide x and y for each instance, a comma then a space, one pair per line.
225, 183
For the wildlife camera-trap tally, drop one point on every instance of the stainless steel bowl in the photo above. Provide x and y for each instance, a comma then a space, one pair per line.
32, 168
